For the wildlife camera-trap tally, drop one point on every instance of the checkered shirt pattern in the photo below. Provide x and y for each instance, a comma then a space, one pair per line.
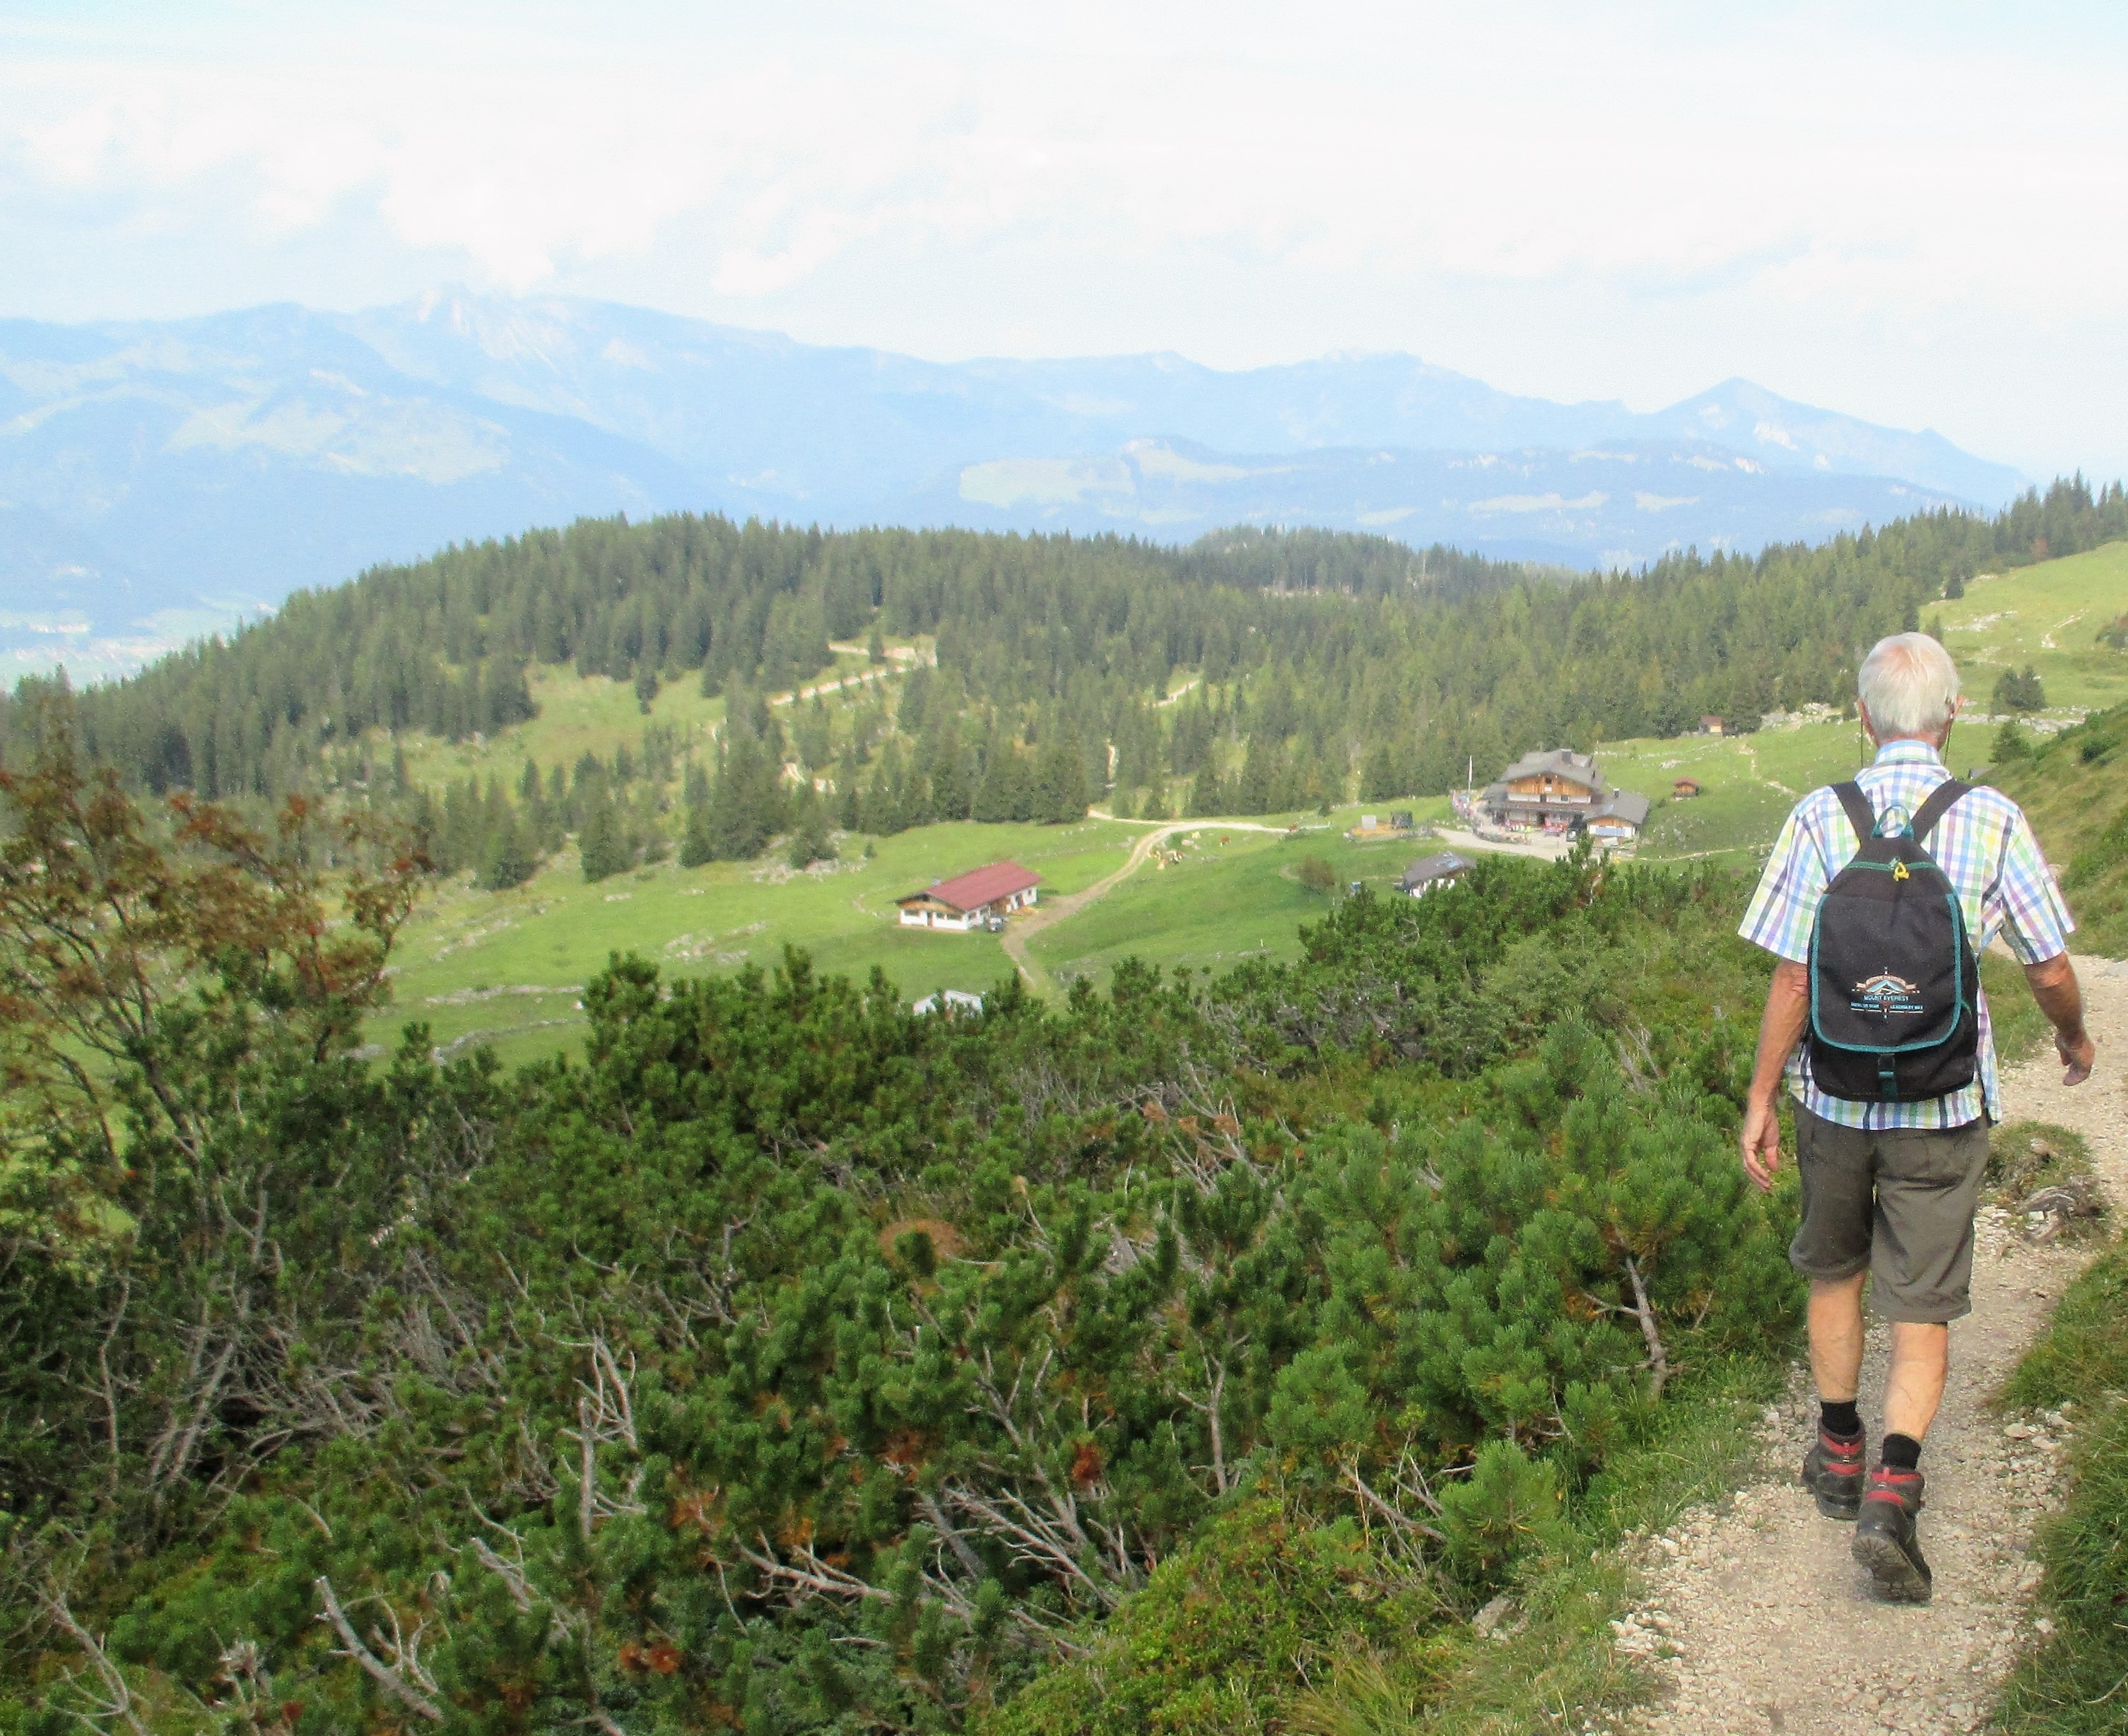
1986, 848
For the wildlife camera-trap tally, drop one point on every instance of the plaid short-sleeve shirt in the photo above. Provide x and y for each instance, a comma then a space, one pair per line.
1985, 847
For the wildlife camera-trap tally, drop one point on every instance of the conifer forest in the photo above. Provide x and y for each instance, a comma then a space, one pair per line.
1297, 668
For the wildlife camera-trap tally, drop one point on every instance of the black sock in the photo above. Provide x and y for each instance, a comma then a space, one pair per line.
1840, 1420
1901, 1452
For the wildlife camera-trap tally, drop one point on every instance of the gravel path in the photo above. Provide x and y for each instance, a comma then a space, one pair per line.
1024, 925
1756, 1619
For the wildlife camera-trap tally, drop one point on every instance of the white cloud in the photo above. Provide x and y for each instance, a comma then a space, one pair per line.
1279, 179
1519, 142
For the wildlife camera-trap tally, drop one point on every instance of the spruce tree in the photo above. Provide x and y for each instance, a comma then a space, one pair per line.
464, 827
1060, 781
745, 806
509, 860
1377, 781
1259, 773
950, 796
695, 847
809, 841
993, 803
600, 846
915, 699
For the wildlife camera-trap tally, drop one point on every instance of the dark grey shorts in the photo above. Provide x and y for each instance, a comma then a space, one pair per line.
1899, 1203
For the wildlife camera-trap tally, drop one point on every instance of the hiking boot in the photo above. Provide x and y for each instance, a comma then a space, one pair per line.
1832, 1471
1886, 1541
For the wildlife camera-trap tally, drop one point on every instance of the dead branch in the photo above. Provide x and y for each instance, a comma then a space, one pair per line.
606, 1414
251, 1685
1216, 1373
1399, 1522
815, 1575
382, 1673
119, 1701
1643, 1314
935, 1517
1056, 1542
511, 1573
1658, 1357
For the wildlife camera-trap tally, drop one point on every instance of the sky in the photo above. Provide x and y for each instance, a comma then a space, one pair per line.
1911, 213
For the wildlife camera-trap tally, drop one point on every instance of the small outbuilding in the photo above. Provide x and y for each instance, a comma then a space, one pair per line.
977, 899
1712, 726
1429, 873
1684, 788
1619, 820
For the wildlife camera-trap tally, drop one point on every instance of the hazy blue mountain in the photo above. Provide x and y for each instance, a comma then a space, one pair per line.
1614, 506
157, 479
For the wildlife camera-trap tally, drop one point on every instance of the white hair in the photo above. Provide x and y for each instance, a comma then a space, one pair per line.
1910, 684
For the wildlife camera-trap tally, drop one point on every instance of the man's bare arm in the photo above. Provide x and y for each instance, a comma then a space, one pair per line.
2054, 985
1788, 1008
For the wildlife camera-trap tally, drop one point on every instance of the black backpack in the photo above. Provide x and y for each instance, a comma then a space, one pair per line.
1894, 1008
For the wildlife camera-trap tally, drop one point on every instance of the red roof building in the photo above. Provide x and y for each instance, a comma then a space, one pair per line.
973, 900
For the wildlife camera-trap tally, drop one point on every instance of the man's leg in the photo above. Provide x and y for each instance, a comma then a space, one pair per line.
1921, 1359
1928, 1185
1836, 1337
1831, 1248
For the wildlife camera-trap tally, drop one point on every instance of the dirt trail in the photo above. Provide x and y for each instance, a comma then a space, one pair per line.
1751, 754
1760, 1619
1023, 926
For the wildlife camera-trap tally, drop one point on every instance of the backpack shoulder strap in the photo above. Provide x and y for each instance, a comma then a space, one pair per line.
1860, 815
1938, 804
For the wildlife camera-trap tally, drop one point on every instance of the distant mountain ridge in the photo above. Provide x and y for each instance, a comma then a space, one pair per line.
159, 479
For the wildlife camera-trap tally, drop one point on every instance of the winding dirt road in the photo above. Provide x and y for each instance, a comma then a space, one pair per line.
1023, 926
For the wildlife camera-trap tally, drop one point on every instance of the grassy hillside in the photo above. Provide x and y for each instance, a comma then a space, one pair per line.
2072, 788
2070, 1682
1228, 896
1747, 783
505, 967
2047, 616
580, 715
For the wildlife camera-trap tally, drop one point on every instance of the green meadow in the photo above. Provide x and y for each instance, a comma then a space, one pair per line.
1224, 896
505, 968
2048, 616
1746, 786
580, 715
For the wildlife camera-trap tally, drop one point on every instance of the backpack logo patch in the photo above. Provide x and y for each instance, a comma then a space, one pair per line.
1884, 994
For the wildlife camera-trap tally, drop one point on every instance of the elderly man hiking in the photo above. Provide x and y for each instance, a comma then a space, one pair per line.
1878, 899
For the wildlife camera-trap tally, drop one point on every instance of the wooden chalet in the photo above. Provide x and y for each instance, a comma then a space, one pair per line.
977, 899
1684, 788
1561, 791
1547, 792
